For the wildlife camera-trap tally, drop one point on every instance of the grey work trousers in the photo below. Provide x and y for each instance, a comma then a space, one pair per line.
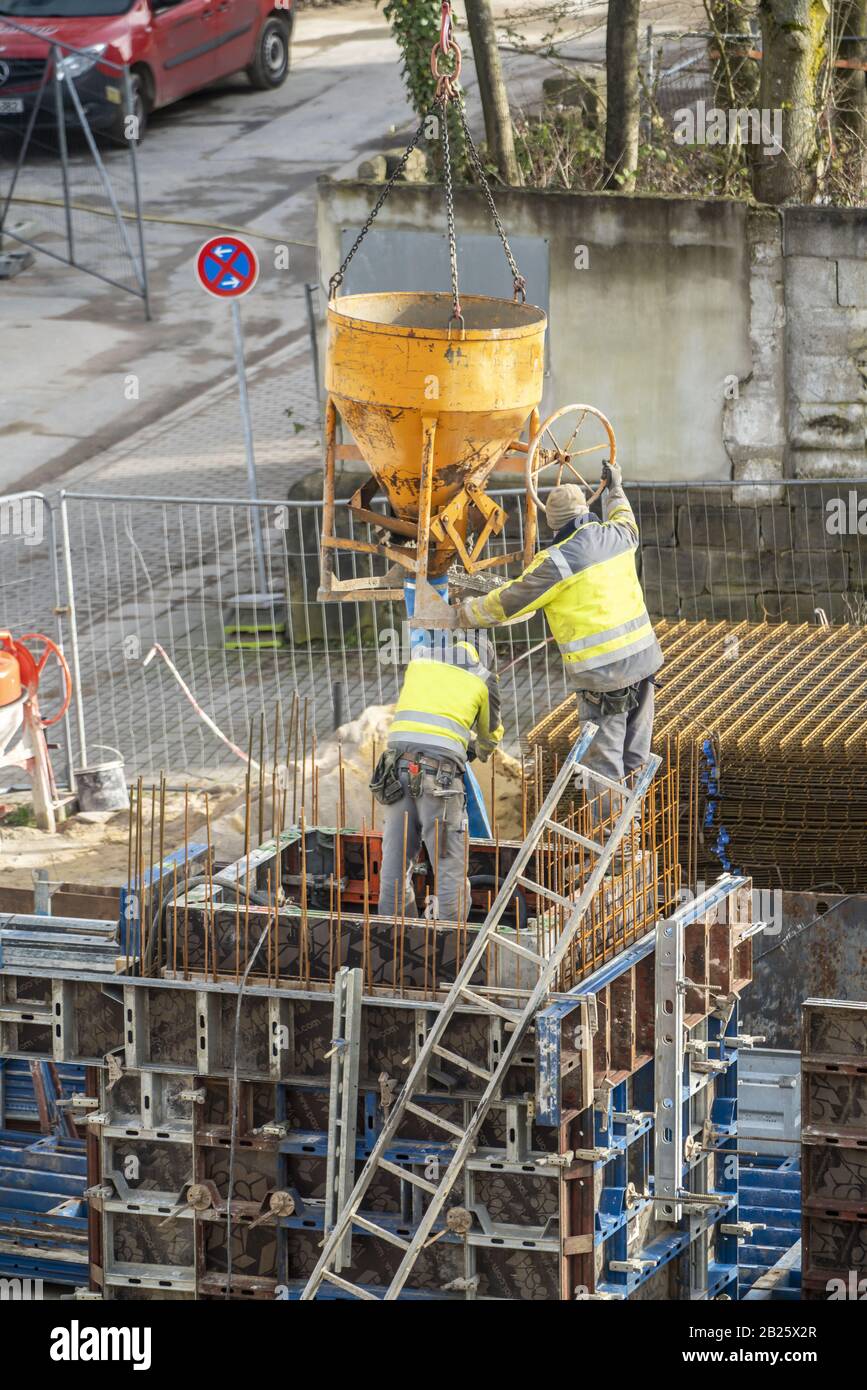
438, 822
623, 741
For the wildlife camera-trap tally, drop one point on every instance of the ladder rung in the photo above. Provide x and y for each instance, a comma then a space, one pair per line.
407, 1175
350, 1288
512, 945
606, 781
461, 1062
489, 1004
544, 892
573, 835
380, 1232
434, 1119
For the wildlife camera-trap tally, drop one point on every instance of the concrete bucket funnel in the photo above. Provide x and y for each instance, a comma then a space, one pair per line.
432, 406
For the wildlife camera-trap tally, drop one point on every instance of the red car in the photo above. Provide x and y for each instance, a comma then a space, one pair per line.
172, 48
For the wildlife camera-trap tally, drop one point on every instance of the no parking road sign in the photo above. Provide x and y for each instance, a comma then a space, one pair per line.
227, 267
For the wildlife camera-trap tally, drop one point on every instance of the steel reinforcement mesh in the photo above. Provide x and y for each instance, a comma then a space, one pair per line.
768, 727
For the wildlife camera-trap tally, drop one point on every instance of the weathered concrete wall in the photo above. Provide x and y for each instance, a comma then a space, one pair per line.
737, 553
825, 260
722, 341
820, 953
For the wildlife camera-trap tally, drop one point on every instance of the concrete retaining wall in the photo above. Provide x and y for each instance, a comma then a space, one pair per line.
722, 341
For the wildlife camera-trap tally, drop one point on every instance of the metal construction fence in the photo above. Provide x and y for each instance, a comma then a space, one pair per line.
69, 184
181, 574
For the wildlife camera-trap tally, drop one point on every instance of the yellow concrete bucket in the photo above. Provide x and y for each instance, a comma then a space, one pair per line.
432, 407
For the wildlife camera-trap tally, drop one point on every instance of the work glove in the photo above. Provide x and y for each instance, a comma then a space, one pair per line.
612, 476
472, 753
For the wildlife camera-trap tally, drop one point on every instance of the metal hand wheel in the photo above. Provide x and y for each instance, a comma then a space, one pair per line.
50, 649
560, 448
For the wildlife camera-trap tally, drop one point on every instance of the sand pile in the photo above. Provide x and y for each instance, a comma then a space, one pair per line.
353, 751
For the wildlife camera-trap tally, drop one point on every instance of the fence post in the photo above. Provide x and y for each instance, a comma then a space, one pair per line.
133, 155
247, 428
64, 154
73, 630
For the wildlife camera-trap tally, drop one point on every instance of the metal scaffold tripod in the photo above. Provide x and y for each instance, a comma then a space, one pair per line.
492, 932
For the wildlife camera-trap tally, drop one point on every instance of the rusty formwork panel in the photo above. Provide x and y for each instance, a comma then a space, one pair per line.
768, 724
319, 888
834, 1149
169, 1223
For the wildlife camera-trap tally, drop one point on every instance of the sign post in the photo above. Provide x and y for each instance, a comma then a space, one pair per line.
227, 267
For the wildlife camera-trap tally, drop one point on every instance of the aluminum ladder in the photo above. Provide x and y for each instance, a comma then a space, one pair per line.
461, 994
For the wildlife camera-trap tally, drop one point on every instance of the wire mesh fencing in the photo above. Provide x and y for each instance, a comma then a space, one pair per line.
69, 123
181, 574
790, 552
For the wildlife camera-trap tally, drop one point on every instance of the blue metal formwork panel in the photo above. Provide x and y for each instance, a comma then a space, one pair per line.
770, 1197
19, 1096
43, 1212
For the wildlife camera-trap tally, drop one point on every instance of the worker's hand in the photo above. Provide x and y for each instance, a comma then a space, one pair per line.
612, 476
463, 616
472, 753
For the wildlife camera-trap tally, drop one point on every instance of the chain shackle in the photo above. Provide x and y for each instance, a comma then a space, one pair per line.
446, 44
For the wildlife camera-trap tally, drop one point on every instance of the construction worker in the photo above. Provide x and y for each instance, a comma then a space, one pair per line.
448, 694
588, 588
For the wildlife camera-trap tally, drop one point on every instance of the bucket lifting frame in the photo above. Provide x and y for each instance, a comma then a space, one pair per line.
421, 546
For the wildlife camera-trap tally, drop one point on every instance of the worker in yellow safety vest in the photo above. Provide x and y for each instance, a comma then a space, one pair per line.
448, 713
588, 588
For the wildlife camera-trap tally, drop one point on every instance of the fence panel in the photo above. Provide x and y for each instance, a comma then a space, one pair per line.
792, 552
182, 573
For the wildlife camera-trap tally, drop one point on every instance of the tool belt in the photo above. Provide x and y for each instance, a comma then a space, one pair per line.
385, 783
418, 765
614, 701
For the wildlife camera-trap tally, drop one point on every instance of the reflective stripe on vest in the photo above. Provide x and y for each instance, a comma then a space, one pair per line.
442, 721
580, 643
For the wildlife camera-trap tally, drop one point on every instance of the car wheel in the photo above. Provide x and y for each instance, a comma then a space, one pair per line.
271, 63
138, 108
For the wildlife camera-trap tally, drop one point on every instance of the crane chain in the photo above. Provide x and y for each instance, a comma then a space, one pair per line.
337, 278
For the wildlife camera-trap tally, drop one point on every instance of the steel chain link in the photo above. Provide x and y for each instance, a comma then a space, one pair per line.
337, 278
519, 283
457, 316
447, 91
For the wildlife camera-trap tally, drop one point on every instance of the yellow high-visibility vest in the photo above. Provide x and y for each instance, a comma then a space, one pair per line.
441, 701
589, 590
